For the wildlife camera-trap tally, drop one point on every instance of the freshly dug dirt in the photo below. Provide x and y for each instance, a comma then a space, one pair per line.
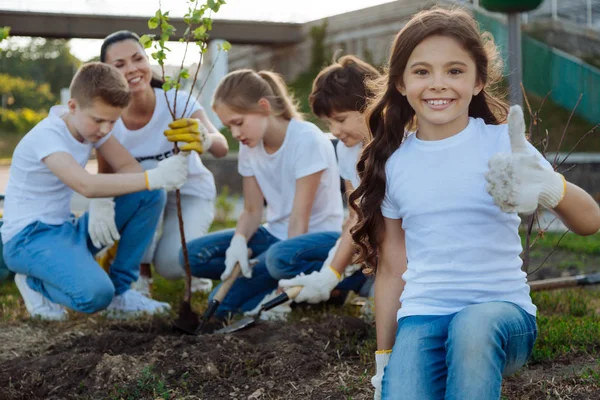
297, 360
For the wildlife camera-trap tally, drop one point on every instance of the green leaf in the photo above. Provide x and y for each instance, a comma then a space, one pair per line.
146, 41
200, 33
166, 86
225, 46
153, 23
4, 32
184, 74
207, 22
197, 16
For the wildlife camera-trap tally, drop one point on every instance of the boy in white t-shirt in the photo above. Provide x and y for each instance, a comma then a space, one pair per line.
338, 96
51, 252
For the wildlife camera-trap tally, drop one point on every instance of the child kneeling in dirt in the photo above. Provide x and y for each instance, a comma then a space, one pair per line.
339, 96
51, 252
438, 215
284, 160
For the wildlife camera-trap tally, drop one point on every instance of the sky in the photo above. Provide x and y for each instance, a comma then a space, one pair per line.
269, 10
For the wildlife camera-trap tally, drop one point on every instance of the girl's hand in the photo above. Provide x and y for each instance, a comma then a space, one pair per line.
190, 131
316, 287
518, 182
237, 252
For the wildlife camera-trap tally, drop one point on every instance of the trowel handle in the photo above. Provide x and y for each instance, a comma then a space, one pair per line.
227, 283
289, 294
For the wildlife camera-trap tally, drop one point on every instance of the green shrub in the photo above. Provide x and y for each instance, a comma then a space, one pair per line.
19, 121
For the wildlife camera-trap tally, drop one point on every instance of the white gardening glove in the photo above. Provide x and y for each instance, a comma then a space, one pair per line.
518, 182
237, 252
170, 174
101, 222
350, 269
316, 287
382, 357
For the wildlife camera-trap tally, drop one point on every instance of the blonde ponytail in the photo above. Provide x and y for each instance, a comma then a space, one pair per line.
242, 89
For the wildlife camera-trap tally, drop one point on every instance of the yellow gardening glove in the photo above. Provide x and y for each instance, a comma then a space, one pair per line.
190, 131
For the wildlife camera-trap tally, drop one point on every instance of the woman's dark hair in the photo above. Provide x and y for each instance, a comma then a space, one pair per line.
389, 115
121, 36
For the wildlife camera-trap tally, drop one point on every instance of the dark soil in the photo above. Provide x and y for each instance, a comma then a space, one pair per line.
297, 360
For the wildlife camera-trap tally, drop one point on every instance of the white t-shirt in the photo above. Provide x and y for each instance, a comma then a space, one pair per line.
347, 159
149, 144
461, 248
34, 193
305, 151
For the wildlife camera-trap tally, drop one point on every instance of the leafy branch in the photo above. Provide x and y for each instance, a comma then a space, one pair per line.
198, 24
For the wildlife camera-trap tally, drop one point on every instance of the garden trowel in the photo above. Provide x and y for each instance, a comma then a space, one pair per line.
289, 294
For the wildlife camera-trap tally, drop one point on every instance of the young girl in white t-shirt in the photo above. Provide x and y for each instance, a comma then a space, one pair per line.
141, 130
437, 215
284, 160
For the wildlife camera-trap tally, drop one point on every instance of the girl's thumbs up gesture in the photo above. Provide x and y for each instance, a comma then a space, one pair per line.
518, 182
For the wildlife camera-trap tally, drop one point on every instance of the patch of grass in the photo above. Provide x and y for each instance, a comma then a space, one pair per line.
568, 302
566, 335
149, 385
568, 323
570, 242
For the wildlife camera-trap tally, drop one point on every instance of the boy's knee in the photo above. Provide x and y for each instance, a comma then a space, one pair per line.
96, 298
156, 198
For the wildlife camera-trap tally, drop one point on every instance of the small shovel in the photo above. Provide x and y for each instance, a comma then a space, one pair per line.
565, 282
289, 294
188, 322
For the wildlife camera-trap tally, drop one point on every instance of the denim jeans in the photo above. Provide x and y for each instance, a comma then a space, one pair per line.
5, 273
59, 259
276, 260
458, 356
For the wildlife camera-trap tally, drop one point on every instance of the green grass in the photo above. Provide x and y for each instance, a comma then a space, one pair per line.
148, 385
570, 242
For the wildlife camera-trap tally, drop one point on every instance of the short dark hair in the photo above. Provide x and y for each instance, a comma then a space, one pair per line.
95, 81
341, 86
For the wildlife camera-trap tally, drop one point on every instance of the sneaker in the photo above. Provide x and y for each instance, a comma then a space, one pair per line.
133, 304
142, 285
37, 305
279, 313
201, 285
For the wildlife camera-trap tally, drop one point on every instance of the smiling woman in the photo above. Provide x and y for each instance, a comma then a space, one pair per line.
142, 129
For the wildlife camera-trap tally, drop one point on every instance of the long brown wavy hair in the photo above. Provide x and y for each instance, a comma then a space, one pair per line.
389, 114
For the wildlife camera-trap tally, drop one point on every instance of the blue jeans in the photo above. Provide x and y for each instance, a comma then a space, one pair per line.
459, 356
59, 259
276, 260
4, 271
